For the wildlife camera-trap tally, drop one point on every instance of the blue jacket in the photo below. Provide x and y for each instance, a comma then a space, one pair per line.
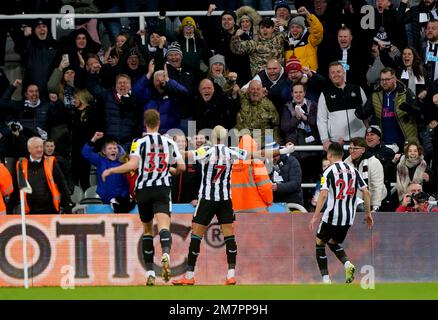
167, 104
116, 185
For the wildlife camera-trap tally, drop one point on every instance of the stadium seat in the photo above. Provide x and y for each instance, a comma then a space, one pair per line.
91, 197
78, 195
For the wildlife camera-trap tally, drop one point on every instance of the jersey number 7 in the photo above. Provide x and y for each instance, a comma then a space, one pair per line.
219, 169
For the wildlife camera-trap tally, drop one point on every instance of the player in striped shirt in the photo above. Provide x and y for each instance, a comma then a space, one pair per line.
153, 156
215, 199
339, 185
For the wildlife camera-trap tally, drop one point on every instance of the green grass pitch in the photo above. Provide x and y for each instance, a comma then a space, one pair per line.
240, 292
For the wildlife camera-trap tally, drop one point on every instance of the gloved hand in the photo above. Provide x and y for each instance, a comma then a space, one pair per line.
43, 134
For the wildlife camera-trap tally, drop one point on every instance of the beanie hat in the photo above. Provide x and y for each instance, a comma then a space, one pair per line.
382, 37
188, 21
376, 130
267, 22
217, 58
174, 47
281, 4
40, 21
293, 64
299, 20
231, 13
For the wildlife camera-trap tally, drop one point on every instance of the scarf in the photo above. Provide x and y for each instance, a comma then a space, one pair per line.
403, 179
29, 103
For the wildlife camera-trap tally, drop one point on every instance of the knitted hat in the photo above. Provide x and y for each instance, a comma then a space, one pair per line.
293, 64
217, 58
188, 21
382, 38
174, 47
40, 21
299, 20
281, 4
376, 130
267, 22
270, 143
231, 13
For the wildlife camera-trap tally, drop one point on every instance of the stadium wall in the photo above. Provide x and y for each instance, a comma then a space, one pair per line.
98, 250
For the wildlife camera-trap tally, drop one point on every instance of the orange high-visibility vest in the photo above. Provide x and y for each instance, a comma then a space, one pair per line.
48, 162
6, 186
251, 188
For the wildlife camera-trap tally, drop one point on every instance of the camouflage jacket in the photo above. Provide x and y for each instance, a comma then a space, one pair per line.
262, 115
260, 51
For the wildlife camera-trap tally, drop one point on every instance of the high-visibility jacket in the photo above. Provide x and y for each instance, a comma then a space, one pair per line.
251, 188
48, 162
6, 186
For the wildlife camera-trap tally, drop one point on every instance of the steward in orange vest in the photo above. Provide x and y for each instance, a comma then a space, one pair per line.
49, 188
251, 188
6, 186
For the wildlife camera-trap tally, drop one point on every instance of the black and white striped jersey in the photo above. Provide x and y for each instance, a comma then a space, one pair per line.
216, 169
342, 182
157, 153
431, 55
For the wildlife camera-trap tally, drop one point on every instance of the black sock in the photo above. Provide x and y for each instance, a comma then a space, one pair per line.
165, 240
195, 244
321, 258
339, 252
148, 252
231, 247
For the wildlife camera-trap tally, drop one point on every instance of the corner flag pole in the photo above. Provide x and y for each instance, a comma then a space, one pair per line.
24, 187
24, 239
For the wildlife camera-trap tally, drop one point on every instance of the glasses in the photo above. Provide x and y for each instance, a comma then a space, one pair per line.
386, 79
351, 149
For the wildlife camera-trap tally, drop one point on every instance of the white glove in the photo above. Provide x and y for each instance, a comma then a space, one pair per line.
42, 133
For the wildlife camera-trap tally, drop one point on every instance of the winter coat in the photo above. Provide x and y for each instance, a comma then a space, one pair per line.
115, 185
306, 47
167, 104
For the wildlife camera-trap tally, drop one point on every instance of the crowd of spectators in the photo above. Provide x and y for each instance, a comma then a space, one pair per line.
310, 76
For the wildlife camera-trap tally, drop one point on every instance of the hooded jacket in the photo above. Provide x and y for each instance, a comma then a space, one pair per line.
251, 188
305, 49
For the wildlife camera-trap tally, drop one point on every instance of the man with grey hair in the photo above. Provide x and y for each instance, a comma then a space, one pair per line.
50, 194
257, 113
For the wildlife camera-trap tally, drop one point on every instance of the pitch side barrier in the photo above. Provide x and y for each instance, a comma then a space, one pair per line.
100, 250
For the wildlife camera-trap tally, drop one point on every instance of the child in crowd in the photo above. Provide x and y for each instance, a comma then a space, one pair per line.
115, 189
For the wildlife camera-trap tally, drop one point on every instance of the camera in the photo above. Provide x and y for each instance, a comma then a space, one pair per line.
420, 197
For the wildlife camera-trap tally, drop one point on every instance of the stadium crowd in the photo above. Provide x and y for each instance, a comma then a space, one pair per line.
312, 78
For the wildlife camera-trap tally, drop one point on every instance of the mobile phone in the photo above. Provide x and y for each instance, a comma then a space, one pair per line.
65, 58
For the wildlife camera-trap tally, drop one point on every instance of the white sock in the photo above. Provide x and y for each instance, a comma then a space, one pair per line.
150, 273
230, 273
326, 278
347, 264
190, 274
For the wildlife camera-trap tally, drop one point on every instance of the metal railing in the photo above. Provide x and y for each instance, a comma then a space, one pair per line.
67, 19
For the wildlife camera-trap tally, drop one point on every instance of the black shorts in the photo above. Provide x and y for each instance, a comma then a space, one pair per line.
327, 231
207, 209
152, 200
